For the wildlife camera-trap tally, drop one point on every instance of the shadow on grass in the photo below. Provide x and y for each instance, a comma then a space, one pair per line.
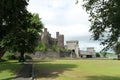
15, 70
11, 68
46, 70
103, 78
25, 72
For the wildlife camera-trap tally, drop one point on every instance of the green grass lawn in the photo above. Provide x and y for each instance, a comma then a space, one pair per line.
8, 69
77, 70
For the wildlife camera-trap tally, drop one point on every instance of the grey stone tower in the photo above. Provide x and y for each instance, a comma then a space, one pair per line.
49, 41
60, 40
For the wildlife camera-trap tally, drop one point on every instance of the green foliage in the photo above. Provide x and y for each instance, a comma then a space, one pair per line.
19, 29
9, 56
98, 55
105, 20
12, 12
55, 48
25, 40
13, 15
117, 49
62, 50
65, 53
42, 47
104, 54
68, 51
28, 57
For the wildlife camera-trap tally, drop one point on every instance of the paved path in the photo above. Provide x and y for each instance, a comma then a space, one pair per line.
25, 73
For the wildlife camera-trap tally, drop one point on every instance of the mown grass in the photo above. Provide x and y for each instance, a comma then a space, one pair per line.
77, 70
9, 69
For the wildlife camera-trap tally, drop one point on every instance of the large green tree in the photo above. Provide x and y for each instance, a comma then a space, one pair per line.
105, 20
19, 29
26, 39
12, 12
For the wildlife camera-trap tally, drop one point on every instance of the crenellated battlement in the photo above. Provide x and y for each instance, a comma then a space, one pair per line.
49, 41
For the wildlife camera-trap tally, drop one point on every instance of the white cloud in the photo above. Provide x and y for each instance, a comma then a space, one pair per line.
57, 4
69, 31
66, 17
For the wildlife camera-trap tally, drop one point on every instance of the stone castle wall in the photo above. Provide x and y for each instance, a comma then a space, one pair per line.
70, 45
49, 41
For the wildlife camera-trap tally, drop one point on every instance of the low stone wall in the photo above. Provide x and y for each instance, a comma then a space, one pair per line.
42, 55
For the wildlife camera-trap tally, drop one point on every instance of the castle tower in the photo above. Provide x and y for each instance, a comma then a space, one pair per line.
73, 45
45, 29
57, 34
45, 37
60, 40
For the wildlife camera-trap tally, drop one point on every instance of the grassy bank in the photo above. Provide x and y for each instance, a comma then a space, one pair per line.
77, 70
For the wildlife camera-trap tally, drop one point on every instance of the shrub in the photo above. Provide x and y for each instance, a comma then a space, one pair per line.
97, 55
10, 57
28, 57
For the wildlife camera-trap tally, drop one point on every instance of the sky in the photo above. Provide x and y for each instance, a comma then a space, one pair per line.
66, 17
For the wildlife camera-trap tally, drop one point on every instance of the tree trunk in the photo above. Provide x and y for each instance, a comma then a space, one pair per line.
2, 52
22, 58
118, 56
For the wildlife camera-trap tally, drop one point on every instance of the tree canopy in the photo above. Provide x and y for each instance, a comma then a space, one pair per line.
12, 12
19, 28
105, 20
26, 40
117, 48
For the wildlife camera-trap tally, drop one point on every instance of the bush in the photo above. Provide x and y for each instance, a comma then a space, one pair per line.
28, 57
10, 57
97, 55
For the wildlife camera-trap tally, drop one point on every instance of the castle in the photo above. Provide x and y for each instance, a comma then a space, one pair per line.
49, 41
72, 45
